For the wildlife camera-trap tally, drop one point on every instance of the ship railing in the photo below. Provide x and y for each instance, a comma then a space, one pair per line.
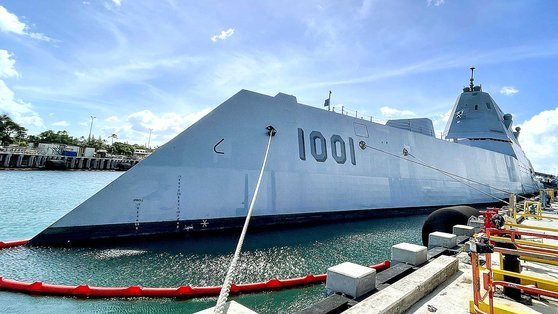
342, 109
493, 276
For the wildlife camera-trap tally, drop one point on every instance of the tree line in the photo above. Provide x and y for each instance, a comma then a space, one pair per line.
13, 133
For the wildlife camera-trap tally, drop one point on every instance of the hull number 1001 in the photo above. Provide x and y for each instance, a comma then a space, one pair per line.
318, 147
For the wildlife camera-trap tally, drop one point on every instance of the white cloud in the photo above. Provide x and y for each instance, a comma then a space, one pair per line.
445, 116
170, 121
10, 23
392, 112
435, 2
117, 2
443, 62
61, 123
440, 121
539, 139
112, 119
39, 36
258, 71
135, 127
509, 90
224, 35
7, 68
131, 71
21, 112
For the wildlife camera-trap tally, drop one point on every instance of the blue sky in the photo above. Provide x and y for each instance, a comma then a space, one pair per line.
161, 65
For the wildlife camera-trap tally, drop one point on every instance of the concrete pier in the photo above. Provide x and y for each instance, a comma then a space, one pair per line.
19, 160
398, 297
7, 158
444, 285
25, 161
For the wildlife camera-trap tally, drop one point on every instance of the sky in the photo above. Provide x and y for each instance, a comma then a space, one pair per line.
163, 64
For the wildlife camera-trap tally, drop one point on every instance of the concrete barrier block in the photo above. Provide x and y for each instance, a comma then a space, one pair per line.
401, 295
351, 279
442, 239
231, 307
462, 230
409, 253
478, 224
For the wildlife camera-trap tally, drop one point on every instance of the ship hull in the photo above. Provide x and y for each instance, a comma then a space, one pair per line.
321, 164
103, 234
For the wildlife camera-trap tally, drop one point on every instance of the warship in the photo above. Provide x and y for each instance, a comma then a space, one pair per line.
322, 166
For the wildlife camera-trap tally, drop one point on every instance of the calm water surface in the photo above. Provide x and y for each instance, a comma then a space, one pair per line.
32, 200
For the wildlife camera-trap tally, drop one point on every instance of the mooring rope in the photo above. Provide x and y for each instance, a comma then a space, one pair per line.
225, 290
468, 179
449, 174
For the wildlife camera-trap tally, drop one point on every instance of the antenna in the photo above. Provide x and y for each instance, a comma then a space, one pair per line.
472, 84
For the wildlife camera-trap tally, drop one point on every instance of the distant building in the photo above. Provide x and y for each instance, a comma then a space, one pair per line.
70, 151
140, 153
101, 153
53, 149
88, 152
49, 149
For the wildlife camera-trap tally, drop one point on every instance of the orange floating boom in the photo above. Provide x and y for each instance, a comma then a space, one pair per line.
39, 287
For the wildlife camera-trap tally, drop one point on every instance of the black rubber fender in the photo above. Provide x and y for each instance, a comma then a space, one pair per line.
55, 165
123, 166
445, 218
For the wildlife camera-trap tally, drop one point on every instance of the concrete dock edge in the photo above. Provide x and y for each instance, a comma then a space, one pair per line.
404, 293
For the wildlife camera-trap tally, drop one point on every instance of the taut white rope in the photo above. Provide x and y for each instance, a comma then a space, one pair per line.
224, 294
449, 174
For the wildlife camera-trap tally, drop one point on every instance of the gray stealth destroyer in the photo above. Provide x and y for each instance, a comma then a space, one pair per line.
322, 166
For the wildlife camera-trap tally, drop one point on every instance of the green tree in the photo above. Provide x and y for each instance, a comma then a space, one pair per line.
10, 131
120, 148
59, 137
98, 143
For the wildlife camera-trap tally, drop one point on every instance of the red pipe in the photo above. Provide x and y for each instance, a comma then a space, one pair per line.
528, 289
137, 291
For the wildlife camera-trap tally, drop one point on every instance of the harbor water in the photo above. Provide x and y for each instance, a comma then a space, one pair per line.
32, 200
